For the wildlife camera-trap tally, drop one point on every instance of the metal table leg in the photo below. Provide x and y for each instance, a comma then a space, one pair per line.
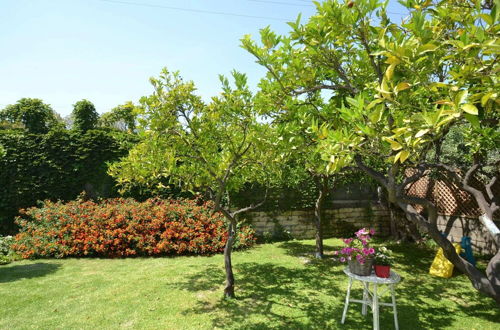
364, 307
396, 325
375, 307
347, 300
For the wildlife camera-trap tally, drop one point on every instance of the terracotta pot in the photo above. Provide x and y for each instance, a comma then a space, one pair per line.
383, 271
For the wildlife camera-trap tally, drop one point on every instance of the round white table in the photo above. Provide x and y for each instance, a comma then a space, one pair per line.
371, 297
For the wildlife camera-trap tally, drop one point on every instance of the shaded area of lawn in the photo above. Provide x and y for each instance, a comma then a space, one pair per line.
26, 271
312, 296
279, 286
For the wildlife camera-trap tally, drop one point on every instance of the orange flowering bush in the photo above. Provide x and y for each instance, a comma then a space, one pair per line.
123, 227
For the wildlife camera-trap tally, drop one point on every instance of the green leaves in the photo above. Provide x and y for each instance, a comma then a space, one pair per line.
401, 87
396, 88
32, 114
56, 165
470, 109
220, 145
427, 48
401, 156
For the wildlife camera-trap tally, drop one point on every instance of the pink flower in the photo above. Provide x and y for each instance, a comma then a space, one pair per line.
348, 241
362, 232
372, 231
342, 259
360, 259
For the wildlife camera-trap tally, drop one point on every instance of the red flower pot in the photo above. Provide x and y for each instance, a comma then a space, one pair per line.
383, 271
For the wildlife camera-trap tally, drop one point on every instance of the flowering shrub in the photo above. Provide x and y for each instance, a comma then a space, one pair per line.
123, 227
357, 247
5, 250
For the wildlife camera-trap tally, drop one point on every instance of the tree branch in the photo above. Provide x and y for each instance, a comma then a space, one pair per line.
251, 207
366, 46
488, 187
350, 89
371, 172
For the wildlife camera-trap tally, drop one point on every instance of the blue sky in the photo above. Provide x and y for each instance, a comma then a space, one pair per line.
105, 51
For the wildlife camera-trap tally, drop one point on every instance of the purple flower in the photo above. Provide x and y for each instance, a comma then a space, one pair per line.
342, 259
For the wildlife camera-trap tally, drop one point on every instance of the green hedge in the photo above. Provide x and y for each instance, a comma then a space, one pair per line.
57, 165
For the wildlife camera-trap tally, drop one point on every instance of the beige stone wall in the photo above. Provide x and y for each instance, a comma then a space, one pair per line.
457, 227
341, 222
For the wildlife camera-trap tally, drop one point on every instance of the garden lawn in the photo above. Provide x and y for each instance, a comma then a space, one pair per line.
277, 287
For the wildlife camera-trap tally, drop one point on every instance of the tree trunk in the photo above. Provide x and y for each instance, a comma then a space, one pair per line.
229, 288
318, 214
394, 230
231, 218
488, 283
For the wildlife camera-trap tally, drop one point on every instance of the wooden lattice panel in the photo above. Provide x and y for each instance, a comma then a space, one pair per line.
447, 196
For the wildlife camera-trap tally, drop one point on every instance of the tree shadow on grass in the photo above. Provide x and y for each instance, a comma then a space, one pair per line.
425, 301
17, 272
297, 249
268, 296
271, 296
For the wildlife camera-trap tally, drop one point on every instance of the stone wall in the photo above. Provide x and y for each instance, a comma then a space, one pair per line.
344, 221
457, 227
338, 222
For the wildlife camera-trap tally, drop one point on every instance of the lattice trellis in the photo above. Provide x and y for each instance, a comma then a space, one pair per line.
447, 196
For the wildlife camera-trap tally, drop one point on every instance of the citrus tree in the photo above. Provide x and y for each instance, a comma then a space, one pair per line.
402, 87
301, 123
212, 148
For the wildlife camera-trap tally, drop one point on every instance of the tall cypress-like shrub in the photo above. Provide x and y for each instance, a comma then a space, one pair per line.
85, 116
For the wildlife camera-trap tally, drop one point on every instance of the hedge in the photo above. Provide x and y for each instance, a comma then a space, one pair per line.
123, 227
57, 165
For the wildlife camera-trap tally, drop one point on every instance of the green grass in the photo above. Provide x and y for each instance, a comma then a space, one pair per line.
276, 287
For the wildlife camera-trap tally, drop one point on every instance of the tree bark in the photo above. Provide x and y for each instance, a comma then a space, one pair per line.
228, 248
318, 214
488, 283
229, 288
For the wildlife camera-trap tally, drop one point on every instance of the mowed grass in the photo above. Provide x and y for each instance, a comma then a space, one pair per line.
279, 286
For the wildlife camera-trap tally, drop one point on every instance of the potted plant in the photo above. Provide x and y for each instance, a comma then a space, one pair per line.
383, 260
357, 252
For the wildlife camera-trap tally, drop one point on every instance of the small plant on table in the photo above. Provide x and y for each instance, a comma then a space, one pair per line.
383, 261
